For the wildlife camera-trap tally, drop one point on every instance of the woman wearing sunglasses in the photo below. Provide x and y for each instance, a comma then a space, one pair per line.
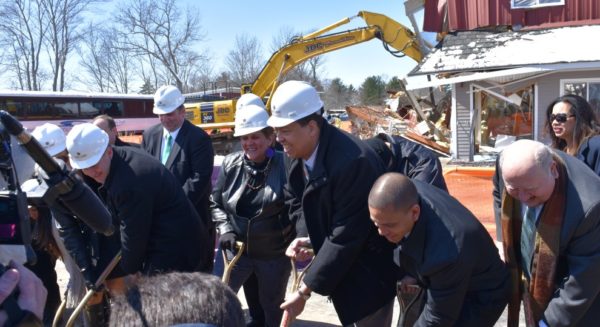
573, 128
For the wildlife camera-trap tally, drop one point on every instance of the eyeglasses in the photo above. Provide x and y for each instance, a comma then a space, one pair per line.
560, 118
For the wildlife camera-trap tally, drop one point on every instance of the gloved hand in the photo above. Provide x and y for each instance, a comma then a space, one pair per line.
90, 278
227, 241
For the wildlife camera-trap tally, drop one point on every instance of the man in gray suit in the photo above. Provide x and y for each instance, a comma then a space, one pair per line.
550, 207
186, 150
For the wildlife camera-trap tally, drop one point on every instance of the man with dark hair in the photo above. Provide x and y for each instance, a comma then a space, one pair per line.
401, 155
550, 207
177, 298
186, 150
107, 124
329, 175
443, 249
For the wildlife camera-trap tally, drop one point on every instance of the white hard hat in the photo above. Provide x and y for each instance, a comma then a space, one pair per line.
51, 137
86, 144
292, 101
33, 188
249, 119
166, 99
248, 98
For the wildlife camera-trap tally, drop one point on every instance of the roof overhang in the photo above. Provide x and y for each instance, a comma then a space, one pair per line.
502, 76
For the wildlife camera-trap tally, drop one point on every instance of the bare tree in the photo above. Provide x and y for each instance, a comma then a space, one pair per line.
93, 59
105, 60
22, 29
64, 19
244, 61
158, 30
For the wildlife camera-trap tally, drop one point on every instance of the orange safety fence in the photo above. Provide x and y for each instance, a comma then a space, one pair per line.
473, 187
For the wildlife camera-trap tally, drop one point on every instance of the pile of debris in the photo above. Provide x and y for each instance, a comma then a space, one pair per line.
423, 123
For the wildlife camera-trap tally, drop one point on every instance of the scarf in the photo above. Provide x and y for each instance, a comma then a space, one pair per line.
537, 293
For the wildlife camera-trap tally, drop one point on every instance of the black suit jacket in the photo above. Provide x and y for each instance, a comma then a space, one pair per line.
454, 258
353, 264
191, 161
160, 231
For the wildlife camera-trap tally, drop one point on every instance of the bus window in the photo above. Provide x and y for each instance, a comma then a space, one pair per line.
88, 110
111, 108
15, 108
66, 109
38, 110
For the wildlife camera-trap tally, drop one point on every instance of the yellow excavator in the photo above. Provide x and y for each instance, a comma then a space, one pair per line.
397, 39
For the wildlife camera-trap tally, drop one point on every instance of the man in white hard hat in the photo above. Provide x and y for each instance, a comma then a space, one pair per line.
329, 177
186, 150
89, 251
160, 230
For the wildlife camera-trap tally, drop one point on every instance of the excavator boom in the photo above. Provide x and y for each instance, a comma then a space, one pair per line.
391, 33
396, 38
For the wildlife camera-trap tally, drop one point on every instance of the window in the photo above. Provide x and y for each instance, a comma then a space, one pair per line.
111, 108
501, 118
586, 88
522, 4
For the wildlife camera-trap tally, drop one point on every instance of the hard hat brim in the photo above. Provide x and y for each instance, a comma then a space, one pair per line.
248, 130
56, 149
165, 110
277, 122
92, 160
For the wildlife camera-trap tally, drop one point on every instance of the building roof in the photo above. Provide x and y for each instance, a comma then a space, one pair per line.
491, 50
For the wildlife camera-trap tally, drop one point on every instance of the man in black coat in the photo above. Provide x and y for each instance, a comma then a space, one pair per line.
408, 158
160, 230
107, 124
329, 176
186, 150
442, 248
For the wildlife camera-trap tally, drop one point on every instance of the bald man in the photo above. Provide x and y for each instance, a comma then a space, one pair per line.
442, 248
550, 211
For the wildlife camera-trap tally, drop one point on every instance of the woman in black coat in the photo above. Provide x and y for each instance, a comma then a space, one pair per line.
248, 205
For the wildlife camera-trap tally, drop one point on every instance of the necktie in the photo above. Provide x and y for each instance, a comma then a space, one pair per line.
167, 149
527, 240
306, 173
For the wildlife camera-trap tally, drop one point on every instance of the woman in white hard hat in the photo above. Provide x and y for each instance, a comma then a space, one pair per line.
248, 205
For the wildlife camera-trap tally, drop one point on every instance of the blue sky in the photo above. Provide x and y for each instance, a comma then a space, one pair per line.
223, 20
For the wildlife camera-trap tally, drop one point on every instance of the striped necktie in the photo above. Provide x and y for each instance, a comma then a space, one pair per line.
527, 240
167, 149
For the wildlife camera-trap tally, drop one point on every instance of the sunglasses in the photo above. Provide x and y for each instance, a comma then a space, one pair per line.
560, 118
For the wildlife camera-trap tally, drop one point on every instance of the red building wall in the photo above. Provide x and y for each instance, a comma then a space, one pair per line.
471, 14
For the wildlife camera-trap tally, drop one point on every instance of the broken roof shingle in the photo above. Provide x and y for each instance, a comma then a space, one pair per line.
488, 50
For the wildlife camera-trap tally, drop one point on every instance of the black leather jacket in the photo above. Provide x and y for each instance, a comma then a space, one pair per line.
266, 235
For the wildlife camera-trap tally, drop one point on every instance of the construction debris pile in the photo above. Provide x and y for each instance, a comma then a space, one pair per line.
406, 114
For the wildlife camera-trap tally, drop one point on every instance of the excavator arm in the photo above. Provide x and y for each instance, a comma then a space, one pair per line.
396, 38
391, 33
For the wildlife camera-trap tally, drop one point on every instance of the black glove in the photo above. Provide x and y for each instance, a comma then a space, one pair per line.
90, 278
227, 241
